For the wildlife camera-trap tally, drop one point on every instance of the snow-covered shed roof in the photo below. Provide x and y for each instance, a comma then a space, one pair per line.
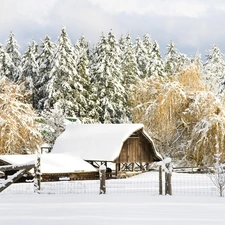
52, 163
97, 142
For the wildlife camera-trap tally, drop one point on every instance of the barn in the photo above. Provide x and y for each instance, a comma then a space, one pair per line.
127, 146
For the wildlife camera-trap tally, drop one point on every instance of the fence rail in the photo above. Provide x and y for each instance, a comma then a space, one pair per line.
145, 183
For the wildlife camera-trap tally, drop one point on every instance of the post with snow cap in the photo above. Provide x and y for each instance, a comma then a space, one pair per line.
168, 174
102, 176
37, 171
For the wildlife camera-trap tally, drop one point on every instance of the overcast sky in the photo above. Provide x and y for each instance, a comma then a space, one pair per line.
191, 24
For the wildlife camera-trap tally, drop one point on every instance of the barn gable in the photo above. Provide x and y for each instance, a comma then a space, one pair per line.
118, 143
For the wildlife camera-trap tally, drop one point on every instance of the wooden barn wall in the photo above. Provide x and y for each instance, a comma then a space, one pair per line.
136, 149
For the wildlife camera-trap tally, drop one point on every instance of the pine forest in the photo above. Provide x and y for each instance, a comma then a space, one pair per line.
179, 99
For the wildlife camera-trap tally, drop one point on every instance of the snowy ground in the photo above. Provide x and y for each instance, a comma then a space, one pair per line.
111, 210
117, 207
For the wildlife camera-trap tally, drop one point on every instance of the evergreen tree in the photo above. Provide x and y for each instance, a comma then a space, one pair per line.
87, 113
142, 57
171, 59
215, 69
130, 71
45, 61
156, 65
35, 49
12, 48
147, 42
6, 64
30, 75
122, 41
129, 64
64, 87
106, 74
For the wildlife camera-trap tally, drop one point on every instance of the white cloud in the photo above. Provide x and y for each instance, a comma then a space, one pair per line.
189, 23
37, 11
186, 8
25, 11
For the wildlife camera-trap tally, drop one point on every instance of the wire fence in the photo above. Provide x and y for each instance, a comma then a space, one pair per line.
193, 184
145, 183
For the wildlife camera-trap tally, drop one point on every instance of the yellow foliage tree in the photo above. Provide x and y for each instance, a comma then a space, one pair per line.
174, 111
18, 129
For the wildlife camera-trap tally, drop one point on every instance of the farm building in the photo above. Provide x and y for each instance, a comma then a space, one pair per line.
128, 146
54, 166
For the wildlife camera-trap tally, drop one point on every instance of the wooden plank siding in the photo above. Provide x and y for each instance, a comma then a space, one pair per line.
136, 149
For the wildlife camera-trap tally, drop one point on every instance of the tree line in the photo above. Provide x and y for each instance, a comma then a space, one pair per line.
116, 81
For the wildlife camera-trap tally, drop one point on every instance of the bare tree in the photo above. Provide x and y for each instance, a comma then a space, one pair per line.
218, 175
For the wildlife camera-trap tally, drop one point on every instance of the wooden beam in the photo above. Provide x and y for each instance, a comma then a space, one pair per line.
17, 167
14, 178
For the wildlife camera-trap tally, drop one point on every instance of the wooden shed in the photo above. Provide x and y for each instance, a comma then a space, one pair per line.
126, 145
54, 167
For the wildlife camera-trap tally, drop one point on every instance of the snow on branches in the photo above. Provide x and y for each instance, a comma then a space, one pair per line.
182, 117
218, 175
18, 133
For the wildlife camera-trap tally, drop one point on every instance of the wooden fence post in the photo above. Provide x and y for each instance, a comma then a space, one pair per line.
160, 181
102, 176
37, 170
168, 175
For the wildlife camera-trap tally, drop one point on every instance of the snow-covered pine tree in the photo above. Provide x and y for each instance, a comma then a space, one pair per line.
36, 77
121, 42
120, 101
106, 74
130, 72
12, 48
30, 75
87, 112
142, 57
18, 127
147, 42
214, 69
172, 58
45, 61
129, 64
6, 64
64, 87
35, 49
155, 64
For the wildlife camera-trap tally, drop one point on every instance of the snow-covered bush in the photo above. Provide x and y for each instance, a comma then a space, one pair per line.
18, 128
182, 117
218, 175
52, 124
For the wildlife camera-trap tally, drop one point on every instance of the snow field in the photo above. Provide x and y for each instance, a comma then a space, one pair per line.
111, 209
127, 201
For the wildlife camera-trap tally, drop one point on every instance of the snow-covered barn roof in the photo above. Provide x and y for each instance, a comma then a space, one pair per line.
98, 142
52, 163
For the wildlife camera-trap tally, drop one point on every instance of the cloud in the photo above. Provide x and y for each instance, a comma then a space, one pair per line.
186, 8
191, 24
